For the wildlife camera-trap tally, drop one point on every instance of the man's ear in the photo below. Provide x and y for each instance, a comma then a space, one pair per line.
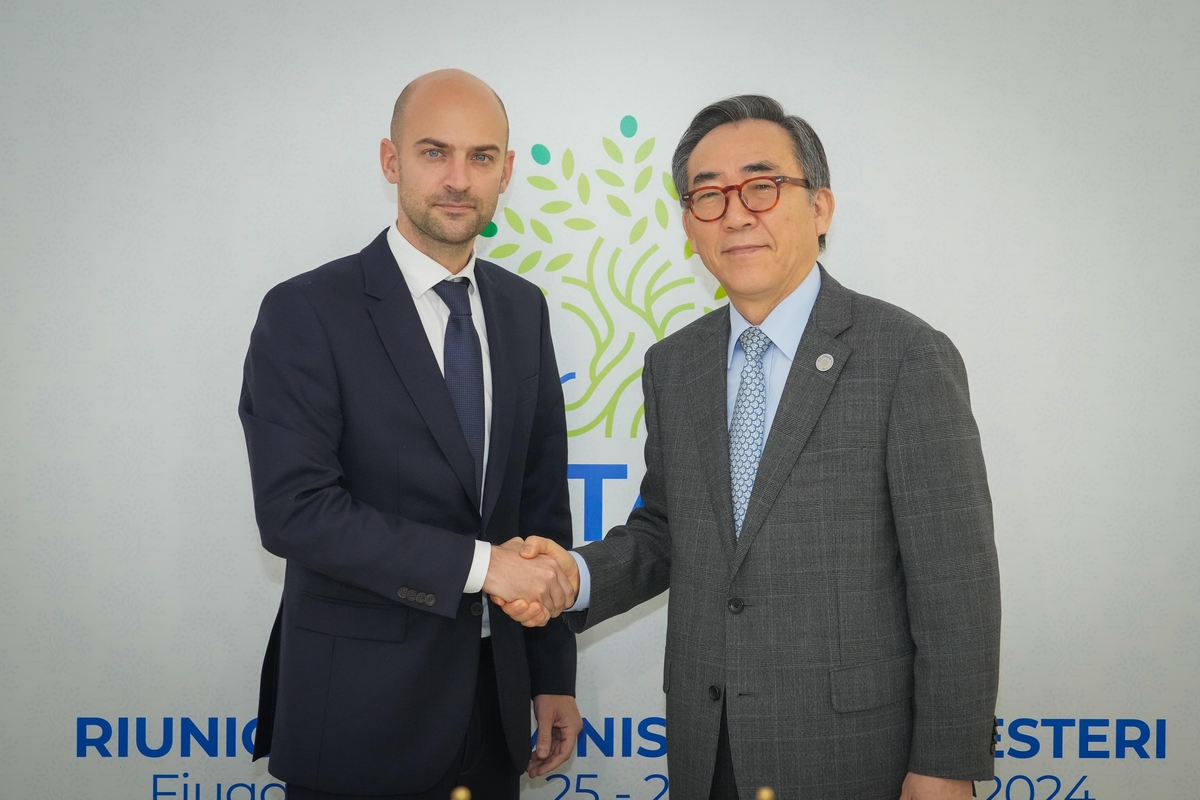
389, 161
506, 175
823, 209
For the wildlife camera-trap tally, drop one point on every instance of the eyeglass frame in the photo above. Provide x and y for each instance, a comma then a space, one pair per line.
779, 180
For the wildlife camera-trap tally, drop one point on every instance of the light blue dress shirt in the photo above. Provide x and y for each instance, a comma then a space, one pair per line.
784, 327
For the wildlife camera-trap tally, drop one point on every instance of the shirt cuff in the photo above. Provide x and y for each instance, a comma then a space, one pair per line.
584, 598
479, 567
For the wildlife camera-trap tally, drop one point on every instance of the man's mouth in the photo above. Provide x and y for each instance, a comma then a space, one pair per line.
742, 249
455, 204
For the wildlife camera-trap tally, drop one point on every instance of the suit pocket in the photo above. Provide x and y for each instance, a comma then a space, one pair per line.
841, 468
527, 388
666, 675
871, 685
373, 621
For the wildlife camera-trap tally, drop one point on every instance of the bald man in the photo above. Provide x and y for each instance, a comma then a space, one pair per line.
404, 420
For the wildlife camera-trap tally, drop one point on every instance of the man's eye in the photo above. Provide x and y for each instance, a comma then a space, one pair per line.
702, 196
433, 153
482, 157
762, 186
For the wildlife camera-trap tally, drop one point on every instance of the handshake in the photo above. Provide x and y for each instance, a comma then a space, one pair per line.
532, 579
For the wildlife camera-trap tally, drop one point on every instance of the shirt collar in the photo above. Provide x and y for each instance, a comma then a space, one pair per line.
786, 322
421, 272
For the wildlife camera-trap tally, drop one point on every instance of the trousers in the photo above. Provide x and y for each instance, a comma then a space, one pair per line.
482, 764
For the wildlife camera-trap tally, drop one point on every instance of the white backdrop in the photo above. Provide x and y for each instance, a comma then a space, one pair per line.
1022, 175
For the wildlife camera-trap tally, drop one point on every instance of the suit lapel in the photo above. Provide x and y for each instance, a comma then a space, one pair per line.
407, 346
707, 400
804, 397
501, 324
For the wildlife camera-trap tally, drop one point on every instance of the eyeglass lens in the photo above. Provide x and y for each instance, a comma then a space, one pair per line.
757, 195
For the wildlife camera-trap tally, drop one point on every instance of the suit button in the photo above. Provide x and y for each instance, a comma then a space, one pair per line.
429, 599
477, 608
736, 605
714, 693
402, 592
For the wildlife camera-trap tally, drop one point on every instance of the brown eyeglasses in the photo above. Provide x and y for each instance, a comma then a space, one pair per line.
758, 194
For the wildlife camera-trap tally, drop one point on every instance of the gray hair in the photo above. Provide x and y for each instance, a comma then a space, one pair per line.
805, 144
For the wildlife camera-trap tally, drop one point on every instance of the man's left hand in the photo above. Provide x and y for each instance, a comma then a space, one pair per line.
558, 723
923, 787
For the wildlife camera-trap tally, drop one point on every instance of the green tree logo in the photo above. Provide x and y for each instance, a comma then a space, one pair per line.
598, 241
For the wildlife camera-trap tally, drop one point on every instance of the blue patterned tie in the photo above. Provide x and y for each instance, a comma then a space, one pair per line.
463, 367
749, 423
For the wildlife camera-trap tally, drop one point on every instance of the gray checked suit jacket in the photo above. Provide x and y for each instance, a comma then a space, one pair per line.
853, 630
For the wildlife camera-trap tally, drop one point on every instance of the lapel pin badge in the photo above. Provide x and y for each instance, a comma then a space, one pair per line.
824, 362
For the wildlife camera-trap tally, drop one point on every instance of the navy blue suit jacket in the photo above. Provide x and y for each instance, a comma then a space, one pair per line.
363, 481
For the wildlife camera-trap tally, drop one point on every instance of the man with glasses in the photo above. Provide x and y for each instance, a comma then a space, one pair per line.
816, 501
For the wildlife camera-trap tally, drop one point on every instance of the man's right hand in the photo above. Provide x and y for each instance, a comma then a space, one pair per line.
536, 548
536, 583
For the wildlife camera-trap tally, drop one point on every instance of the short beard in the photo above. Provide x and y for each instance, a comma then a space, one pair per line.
419, 211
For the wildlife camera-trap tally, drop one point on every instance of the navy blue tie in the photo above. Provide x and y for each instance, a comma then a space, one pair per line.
463, 367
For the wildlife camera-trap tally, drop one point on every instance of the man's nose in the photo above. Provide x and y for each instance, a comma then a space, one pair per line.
736, 213
458, 176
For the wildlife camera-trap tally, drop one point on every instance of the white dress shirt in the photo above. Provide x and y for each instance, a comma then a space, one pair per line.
784, 327
422, 273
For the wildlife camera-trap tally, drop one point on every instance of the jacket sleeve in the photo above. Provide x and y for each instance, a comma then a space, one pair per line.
942, 511
632, 564
546, 511
291, 414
